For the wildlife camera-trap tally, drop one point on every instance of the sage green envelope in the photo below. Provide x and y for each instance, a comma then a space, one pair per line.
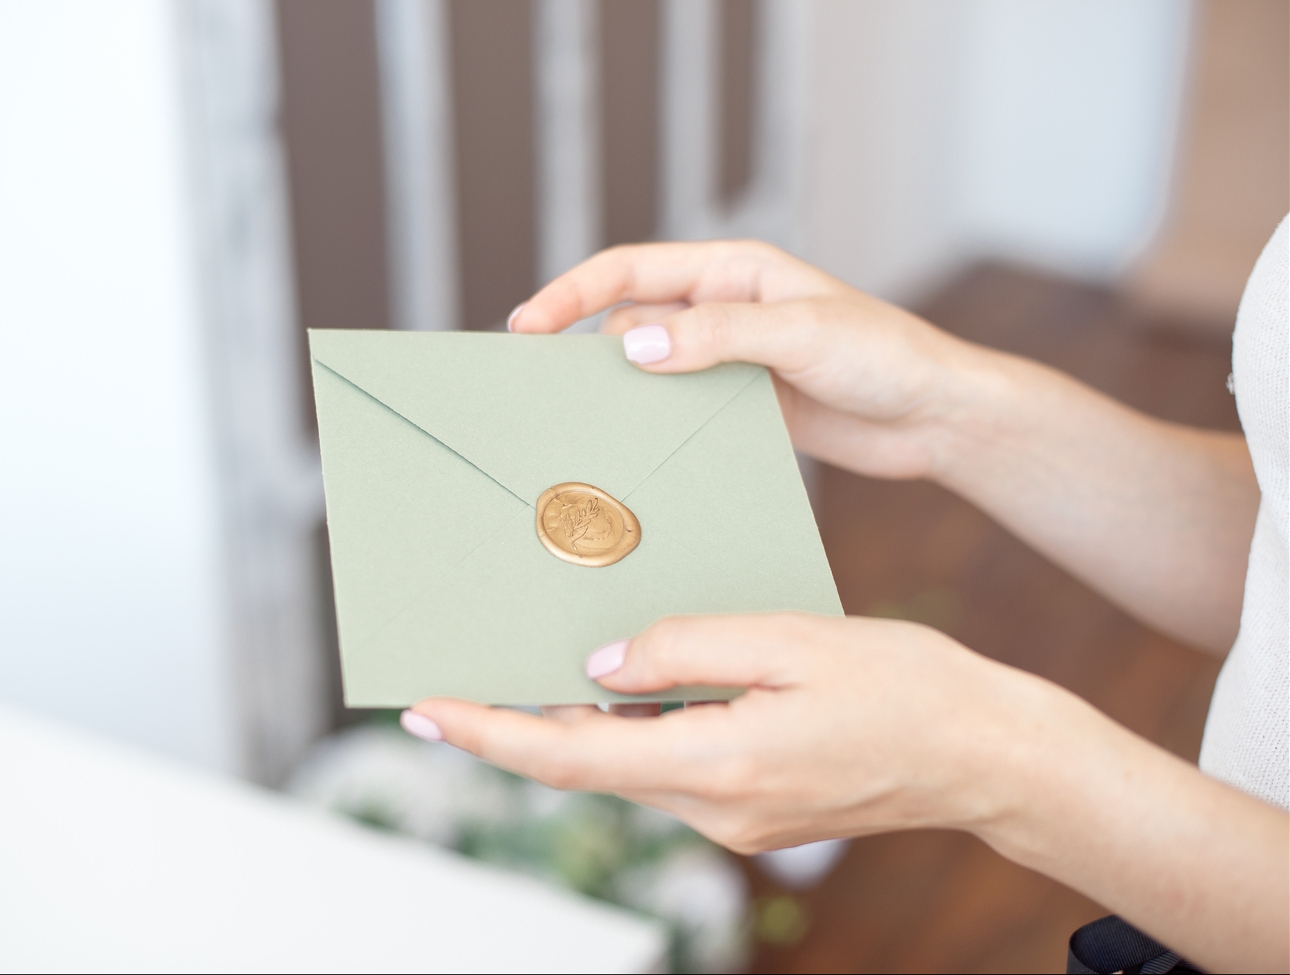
436, 446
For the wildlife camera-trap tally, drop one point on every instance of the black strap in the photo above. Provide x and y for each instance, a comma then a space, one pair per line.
1112, 945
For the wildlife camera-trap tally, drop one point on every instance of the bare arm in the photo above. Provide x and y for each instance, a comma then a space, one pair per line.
860, 726
1156, 516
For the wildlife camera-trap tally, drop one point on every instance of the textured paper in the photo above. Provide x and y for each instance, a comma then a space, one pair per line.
435, 447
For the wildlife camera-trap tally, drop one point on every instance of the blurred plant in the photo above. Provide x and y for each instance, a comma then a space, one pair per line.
782, 920
598, 845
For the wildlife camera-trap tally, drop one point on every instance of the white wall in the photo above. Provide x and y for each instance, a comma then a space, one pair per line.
880, 202
1067, 126
944, 131
108, 548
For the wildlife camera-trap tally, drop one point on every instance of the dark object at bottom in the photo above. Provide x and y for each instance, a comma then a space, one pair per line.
1112, 945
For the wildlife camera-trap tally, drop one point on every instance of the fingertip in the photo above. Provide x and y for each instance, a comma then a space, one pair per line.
417, 724
647, 344
607, 660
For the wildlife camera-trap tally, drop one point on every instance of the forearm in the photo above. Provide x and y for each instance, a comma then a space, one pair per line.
1194, 863
1156, 516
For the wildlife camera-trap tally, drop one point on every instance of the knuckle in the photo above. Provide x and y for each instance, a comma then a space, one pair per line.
560, 775
745, 847
742, 835
470, 740
466, 734
716, 326
619, 320
621, 252
762, 248
660, 640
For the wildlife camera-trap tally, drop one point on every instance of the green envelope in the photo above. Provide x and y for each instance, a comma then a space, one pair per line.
435, 448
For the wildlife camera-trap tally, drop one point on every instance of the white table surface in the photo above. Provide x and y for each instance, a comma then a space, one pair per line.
116, 860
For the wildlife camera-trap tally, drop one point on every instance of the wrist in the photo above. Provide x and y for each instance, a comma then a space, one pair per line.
983, 402
1030, 762
1007, 753
1048, 772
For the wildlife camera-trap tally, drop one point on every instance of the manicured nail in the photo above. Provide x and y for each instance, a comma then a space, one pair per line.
420, 725
510, 319
603, 662
649, 343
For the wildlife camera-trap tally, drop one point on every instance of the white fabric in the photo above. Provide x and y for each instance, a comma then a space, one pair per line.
1247, 735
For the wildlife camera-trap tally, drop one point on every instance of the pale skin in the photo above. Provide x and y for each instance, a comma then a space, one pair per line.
857, 726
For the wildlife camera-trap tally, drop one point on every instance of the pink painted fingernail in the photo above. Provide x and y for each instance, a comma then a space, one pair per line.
510, 319
603, 662
649, 343
420, 725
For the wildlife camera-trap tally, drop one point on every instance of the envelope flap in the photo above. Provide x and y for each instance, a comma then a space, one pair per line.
533, 410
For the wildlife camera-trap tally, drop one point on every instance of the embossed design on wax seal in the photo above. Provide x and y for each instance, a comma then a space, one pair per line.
586, 526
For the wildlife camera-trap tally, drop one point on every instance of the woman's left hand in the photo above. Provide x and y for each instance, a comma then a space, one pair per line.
854, 726
847, 726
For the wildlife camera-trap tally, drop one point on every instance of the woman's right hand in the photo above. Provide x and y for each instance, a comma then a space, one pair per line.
1156, 516
863, 384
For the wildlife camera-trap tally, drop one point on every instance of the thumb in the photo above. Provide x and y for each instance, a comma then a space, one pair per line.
755, 650
784, 336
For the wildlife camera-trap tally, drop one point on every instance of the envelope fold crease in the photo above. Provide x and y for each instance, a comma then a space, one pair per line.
533, 410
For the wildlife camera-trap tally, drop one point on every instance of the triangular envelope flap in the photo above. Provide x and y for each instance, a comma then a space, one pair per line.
533, 410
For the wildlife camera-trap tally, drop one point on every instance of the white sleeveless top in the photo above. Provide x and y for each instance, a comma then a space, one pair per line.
1247, 735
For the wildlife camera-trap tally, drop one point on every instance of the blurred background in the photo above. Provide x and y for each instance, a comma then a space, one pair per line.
186, 186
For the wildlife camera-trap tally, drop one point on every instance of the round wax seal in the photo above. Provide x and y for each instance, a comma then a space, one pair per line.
583, 525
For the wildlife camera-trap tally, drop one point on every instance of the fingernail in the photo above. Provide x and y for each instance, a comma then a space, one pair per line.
510, 319
649, 343
603, 662
420, 725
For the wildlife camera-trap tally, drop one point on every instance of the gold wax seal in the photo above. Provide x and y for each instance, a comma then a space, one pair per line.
584, 525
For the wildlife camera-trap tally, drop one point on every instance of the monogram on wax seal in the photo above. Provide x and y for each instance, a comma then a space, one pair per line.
586, 526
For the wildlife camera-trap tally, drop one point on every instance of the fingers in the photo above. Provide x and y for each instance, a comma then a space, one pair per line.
627, 317
597, 752
689, 273
756, 650
787, 337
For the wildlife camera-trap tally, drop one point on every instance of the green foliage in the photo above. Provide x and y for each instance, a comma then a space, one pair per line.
782, 920
585, 842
